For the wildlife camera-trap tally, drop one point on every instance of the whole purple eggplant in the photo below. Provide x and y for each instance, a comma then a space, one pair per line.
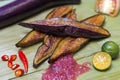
21, 9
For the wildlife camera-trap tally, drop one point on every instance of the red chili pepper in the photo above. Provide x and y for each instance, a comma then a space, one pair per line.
24, 60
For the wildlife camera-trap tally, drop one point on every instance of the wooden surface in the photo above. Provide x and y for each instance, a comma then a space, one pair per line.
11, 35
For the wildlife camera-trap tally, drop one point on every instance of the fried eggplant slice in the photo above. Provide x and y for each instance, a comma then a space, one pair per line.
45, 50
36, 36
60, 11
67, 27
70, 44
95, 20
49, 45
72, 15
32, 37
67, 45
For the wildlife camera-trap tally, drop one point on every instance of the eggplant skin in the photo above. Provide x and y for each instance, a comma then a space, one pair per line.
67, 27
21, 9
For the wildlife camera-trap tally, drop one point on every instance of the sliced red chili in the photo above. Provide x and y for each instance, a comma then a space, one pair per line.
13, 57
10, 64
19, 72
5, 58
15, 66
24, 60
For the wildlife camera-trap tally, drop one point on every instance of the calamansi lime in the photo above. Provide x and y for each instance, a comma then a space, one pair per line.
111, 48
101, 60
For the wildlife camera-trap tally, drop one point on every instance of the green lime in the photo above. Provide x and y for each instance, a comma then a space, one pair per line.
101, 61
111, 48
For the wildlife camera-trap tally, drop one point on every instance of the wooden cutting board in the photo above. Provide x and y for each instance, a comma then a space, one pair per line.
12, 34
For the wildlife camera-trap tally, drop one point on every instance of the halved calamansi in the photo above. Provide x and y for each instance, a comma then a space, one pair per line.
101, 61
